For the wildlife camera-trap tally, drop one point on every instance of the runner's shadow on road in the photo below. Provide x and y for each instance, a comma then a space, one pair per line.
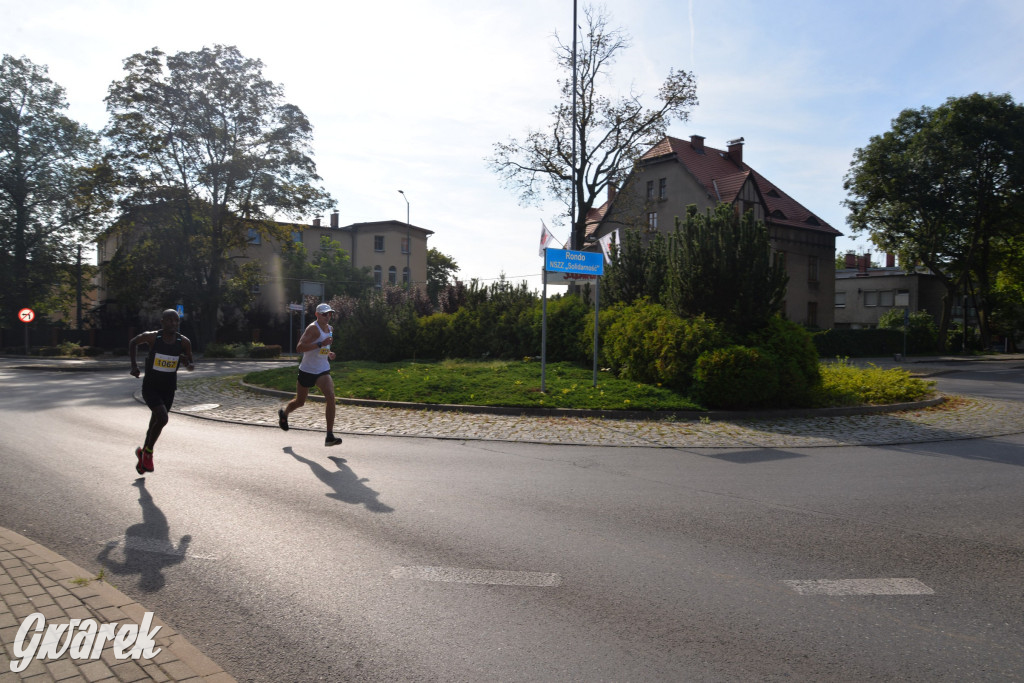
147, 546
348, 487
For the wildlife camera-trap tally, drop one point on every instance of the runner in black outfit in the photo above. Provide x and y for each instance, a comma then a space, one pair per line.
167, 350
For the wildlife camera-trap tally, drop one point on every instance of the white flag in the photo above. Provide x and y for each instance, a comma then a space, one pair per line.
545, 237
606, 244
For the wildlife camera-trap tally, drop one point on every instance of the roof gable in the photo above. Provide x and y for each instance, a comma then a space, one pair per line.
722, 177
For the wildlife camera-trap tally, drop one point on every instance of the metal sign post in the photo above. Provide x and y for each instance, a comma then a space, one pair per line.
568, 261
543, 332
26, 315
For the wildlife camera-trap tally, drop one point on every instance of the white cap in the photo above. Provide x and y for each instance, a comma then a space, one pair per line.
324, 308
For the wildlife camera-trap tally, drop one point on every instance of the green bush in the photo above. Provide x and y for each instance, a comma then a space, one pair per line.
645, 342
432, 336
857, 343
566, 320
921, 332
265, 351
92, 351
795, 357
641, 343
217, 350
736, 378
846, 384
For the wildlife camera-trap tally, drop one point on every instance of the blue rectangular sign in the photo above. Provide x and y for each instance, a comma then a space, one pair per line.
567, 261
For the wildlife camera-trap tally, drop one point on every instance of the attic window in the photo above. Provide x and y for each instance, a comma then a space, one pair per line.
811, 220
777, 213
774, 193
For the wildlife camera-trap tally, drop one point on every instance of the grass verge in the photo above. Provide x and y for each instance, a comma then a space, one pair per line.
517, 384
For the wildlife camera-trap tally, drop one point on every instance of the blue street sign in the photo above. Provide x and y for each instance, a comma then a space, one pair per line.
567, 261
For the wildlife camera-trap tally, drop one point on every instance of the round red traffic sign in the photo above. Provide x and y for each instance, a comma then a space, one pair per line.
26, 315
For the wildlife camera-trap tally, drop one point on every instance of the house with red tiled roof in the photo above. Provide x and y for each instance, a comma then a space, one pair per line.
676, 173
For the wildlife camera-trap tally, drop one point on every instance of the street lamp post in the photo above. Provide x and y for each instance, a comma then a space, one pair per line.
408, 242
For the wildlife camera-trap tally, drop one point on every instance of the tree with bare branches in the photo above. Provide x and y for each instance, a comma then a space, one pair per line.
611, 133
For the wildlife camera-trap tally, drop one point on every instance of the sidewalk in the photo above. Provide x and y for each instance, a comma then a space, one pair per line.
35, 580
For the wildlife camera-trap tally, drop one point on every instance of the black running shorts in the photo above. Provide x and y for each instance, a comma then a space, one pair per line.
156, 397
308, 379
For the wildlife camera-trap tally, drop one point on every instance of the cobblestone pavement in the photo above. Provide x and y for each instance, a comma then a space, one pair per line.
36, 580
225, 398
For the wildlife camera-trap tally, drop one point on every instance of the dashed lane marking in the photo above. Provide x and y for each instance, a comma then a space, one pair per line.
860, 587
162, 546
490, 577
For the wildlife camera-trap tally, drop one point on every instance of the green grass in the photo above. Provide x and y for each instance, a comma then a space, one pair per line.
517, 384
486, 383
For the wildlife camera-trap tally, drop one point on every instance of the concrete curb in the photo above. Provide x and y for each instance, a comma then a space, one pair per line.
615, 414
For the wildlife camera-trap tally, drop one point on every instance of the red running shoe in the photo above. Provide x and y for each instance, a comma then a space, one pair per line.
140, 468
147, 460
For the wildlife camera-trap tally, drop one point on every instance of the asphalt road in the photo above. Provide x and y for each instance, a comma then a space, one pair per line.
417, 559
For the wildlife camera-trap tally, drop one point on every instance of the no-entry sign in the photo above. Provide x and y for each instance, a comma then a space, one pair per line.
26, 315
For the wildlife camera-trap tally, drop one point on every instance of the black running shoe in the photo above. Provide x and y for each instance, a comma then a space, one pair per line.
331, 440
282, 419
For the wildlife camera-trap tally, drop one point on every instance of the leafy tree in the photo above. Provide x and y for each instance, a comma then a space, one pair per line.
945, 187
441, 270
211, 142
331, 265
610, 134
637, 269
721, 266
54, 191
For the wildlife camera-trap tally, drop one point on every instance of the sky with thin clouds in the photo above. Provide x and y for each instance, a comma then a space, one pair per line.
412, 94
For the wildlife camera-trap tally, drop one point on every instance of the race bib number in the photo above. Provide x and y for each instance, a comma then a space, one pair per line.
325, 350
164, 363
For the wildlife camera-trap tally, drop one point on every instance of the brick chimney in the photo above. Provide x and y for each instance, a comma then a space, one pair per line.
697, 142
735, 150
862, 264
851, 260
316, 222
612, 191
890, 260
334, 219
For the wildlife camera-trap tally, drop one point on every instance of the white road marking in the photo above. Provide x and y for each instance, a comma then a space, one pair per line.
154, 545
491, 577
860, 587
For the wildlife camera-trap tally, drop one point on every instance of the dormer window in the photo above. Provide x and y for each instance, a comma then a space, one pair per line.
774, 193
777, 213
811, 220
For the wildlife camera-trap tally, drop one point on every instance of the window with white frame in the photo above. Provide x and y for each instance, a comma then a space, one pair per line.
378, 242
650, 189
652, 220
840, 299
405, 245
378, 277
663, 188
871, 297
392, 275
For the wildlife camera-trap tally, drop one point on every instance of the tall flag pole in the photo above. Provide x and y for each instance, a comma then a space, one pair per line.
572, 216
